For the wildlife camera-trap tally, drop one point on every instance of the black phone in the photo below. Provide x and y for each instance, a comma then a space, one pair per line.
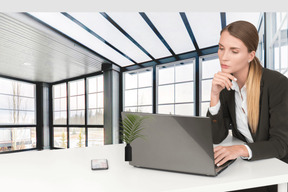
99, 164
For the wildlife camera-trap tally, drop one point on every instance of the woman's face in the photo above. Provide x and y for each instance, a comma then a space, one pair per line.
233, 54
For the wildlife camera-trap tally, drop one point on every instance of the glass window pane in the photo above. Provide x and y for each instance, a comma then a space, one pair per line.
60, 117
25, 103
145, 96
284, 57
76, 87
131, 80
131, 109
80, 88
145, 109
95, 137
13, 87
210, 67
96, 117
77, 137
60, 137
204, 108
17, 138
276, 56
100, 83
92, 101
25, 89
73, 103
166, 109
6, 86
25, 117
77, 117
81, 102
184, 72
206, 90
184, 92
63, 104
166, 94
63, 90
131, 98
6, 102
17, 103
100, 100
184, 109
145, 78
166, 74
57, 105
92, 84
72, 88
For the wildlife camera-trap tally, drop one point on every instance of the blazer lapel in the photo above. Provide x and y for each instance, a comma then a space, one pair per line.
231, 106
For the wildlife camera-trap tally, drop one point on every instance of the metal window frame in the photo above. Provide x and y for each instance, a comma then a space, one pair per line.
37, 120
68, 125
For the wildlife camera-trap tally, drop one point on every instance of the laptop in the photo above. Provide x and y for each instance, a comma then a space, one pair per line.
175, 143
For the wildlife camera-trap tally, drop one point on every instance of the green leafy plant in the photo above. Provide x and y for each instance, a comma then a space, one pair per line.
132, 125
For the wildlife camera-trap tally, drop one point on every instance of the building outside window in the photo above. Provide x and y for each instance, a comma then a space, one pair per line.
18, 115
85, 101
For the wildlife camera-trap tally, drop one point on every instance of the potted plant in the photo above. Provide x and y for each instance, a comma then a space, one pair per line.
131, 129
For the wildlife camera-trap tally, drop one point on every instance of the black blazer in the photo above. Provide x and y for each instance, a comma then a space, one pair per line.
271, 138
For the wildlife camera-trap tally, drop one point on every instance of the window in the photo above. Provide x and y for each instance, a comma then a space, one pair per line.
95, 100
71, 129
138, 91
175, 88
278, 51
209, 66
18, 115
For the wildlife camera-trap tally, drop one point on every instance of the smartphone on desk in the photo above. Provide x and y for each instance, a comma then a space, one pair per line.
99, 164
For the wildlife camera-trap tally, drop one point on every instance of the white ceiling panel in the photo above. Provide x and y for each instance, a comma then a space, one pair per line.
206, 27
102, 27
252, 17
71, 29
173, 30
139, 30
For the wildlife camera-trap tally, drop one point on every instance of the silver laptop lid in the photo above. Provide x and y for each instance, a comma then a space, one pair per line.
175, 143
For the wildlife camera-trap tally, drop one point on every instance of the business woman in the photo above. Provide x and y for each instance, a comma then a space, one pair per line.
250, 100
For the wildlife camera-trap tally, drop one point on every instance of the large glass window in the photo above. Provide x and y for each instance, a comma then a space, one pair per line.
85, 101
278, 51
17, 107
209, 65
175, 88
138, 91
95, 100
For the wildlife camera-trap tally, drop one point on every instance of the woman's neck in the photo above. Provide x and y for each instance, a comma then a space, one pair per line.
241, 77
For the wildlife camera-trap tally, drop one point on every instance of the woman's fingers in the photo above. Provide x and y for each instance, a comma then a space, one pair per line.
222, 81
224, 77
224, 153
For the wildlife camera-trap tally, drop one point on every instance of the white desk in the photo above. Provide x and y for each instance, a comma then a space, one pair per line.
69, 171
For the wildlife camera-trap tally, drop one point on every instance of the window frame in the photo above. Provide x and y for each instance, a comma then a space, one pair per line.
67, 125
17, 126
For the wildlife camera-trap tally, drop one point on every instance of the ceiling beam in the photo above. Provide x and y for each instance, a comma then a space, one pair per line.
117, 26
96, 35
152, 26
190, 32
223, 19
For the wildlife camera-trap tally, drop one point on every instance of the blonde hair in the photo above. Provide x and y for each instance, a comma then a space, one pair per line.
248, 34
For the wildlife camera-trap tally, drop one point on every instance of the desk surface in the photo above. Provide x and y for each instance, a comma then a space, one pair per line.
70, 170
